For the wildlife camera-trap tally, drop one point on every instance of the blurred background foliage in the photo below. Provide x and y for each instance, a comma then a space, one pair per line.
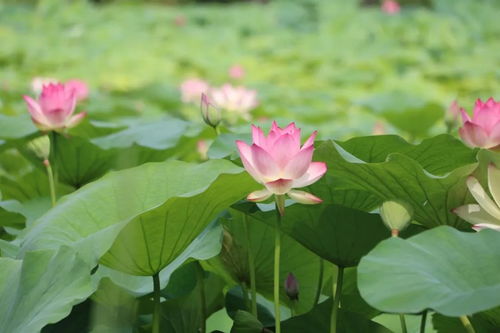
339, 66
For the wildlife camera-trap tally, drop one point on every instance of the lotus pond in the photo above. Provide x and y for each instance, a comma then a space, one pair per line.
296, 166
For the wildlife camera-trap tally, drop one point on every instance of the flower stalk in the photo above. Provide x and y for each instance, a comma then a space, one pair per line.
157, 305
337, 293
251, 268
277, 252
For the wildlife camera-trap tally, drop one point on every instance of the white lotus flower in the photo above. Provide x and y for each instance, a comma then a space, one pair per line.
486, 213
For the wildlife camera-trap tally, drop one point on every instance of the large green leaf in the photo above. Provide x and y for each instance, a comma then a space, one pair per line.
159, 134
41, 288
16, 127
318, 321
78, 161
91, 218
338, 234
406, 174
451, 272
203, 247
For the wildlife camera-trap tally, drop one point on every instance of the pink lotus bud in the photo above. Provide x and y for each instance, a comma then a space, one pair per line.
280, 163
192, 89
54, 108
210, 113
483, 129
180, 20
390, 7
378, 128
202, 148
81, 89
235, 99
292, 287
236, 72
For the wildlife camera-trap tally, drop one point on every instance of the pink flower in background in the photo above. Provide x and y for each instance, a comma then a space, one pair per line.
281, 164
483, 129
81, 89
191, 90
237, 99
180, 20
54, 108
236, 72
38, 82
390, 7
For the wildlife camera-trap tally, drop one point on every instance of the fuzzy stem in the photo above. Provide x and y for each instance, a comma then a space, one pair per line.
251, 268
157, 305
320, 281
52, 185
423, 322
203, 301
277, 250
336, 299
403, 323
467, 324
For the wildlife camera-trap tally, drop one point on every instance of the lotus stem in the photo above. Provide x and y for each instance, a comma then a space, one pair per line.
251, 268
277, 250
467, 324
203, 301
52, 185
403, 323
423, 322
336, 299
320, 281
157, 305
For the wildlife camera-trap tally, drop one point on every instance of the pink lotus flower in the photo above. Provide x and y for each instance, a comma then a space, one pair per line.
191, 90
235, 99
280, 164
81, 89
236, 72
390, 7
54, 108
483, 129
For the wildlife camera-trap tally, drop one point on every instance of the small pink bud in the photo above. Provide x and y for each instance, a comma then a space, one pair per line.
210, 113
236, 72
292, 287
390, 7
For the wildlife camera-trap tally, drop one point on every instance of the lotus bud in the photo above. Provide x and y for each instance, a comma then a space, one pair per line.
40, 146
211, 114
292, 287
396, 215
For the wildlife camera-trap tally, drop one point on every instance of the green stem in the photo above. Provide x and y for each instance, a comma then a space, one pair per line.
423, 322
277, 249
251, 268
403, 323
467, 324
336, 299
52, 184
320, 281
292, 308
52, 154
217, 130
203, 301
156, 296
244, 290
